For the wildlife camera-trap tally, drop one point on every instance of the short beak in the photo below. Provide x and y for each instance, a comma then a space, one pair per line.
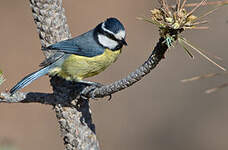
124, 42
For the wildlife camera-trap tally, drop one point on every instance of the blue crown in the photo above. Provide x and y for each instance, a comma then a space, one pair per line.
114, 25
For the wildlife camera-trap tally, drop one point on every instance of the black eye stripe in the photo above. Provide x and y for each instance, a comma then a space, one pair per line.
111, 36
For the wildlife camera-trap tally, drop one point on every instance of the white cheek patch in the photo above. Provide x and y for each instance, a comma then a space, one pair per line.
107, 42
120, 35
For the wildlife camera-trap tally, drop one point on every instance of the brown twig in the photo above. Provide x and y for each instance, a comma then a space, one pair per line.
207, 3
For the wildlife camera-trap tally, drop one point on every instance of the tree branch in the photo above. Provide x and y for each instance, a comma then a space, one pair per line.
133, 77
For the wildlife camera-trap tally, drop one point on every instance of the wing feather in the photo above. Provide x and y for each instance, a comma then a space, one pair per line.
83, 45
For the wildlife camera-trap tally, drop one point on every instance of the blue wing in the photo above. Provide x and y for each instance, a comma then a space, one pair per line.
67, 46
83, 45
29, 78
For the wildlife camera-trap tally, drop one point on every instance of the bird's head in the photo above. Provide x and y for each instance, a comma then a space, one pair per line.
111, 34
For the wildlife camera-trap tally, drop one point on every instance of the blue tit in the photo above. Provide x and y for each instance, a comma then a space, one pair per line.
82, 56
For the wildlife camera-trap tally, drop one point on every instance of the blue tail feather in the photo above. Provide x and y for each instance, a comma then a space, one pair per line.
29, 78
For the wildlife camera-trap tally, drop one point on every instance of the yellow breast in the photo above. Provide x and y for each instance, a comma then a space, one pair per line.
79, 67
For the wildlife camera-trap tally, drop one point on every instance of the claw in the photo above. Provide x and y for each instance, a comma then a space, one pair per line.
110, 97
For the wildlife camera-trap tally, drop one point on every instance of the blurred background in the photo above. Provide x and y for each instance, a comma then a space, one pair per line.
158, 113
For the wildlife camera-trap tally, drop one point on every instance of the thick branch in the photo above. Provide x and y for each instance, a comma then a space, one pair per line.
75, 123
28, 98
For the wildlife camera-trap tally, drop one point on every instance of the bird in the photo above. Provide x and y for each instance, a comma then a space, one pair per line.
83, 56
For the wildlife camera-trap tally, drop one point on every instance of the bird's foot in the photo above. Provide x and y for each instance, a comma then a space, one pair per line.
91, 87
